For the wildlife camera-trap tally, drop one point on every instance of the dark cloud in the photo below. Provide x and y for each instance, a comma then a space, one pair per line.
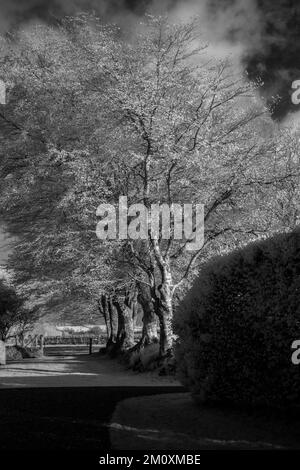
277, 58
270, 33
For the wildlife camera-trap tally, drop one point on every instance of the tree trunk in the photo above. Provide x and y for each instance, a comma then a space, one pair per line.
149, 333
114, 323
103, 305
163, 301
2, 353
21, 339
164, 311
125, 309
165, 315
134, 306
110, 315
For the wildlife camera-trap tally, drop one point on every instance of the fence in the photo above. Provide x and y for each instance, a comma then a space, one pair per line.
73, 340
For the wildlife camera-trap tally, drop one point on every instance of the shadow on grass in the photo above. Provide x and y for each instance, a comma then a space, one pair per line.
62, 418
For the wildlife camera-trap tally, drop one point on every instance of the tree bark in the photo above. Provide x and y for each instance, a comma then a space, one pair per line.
110, 315
103, 305
114, 323
125, 308
165, 315
149, 333
164, 308
2, 353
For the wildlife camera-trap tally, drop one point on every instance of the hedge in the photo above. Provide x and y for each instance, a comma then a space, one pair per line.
237, 323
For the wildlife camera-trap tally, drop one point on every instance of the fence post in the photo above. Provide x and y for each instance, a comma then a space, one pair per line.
91, 346
42, 344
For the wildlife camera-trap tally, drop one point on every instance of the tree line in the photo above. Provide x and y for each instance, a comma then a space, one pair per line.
95, 113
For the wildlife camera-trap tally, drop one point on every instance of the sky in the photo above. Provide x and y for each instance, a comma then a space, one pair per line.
263, 35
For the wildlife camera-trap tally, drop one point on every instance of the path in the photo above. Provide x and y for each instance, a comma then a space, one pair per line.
75, 371
66, 402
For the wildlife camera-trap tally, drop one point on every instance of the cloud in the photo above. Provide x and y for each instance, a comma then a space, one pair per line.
262, 35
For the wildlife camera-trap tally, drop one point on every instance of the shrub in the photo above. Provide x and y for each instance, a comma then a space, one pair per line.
17, 353
13, 353
237, 323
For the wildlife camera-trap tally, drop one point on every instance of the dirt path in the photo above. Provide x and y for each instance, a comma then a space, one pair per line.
67, 402
76, 371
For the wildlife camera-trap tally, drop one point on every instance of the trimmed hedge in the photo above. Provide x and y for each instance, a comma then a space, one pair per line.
237, 323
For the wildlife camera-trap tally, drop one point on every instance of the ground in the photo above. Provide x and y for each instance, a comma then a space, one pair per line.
66, 402
174, 421
76, 371
78, 402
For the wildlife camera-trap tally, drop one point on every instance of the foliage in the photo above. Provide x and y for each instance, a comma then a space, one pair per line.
237, 324
94, 116
12, 311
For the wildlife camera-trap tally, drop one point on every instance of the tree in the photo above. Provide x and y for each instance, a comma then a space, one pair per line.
189, 131
12, 311
154, 119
